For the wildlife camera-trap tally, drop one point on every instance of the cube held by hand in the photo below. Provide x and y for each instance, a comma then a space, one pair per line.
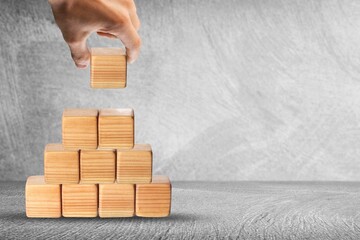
108, 68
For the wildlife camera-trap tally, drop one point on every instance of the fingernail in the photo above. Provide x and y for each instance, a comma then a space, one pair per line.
82, 64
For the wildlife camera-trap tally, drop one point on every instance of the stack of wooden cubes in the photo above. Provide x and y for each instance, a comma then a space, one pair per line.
98, 171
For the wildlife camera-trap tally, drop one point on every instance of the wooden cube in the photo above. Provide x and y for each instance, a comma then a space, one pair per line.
79, 200
42, 200
153, 199
97, 166
61, 165
79, 128
116, 128
116, 200
134, 165
108, 68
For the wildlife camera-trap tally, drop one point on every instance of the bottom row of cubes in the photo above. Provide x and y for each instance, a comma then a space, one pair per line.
103, 200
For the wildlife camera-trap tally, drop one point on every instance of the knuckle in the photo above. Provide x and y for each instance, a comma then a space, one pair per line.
132, 5
128, 3
117, 23
122, 20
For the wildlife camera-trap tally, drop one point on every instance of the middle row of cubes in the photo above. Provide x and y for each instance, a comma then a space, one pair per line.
65, 166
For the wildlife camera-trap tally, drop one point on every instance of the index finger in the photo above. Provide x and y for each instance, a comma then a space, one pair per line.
131, 39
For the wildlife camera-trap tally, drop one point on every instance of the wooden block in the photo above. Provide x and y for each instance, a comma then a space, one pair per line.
153, 199
108, 68
116, 128
97, 166
42, 200
134, 165
79, 200
79, 128
60, 165
116, 200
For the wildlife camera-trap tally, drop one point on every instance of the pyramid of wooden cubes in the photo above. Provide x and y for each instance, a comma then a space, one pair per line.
97, 170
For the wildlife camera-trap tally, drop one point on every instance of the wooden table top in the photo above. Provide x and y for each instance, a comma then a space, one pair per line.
242, 210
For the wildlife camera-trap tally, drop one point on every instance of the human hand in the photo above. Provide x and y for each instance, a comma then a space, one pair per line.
77, 19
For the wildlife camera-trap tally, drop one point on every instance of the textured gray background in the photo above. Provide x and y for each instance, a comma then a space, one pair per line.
223, 90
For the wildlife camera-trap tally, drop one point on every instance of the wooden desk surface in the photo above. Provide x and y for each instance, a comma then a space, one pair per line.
242, 210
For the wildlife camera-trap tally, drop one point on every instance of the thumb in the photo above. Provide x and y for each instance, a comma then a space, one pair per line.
80, 53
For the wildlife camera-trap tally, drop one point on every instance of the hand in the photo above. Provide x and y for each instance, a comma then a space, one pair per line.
77, 19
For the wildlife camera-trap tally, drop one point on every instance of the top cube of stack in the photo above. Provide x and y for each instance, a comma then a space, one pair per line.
116, 128
108, 68
79, 128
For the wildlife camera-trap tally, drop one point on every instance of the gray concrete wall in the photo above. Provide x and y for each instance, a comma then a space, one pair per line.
223, 90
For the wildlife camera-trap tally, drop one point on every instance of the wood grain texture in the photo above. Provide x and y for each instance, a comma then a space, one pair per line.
116, 128
60, 165
108, 68
209, 210
79, 200
79, 128
97, 166
116, 200
153, 199
42, 200
134, 165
